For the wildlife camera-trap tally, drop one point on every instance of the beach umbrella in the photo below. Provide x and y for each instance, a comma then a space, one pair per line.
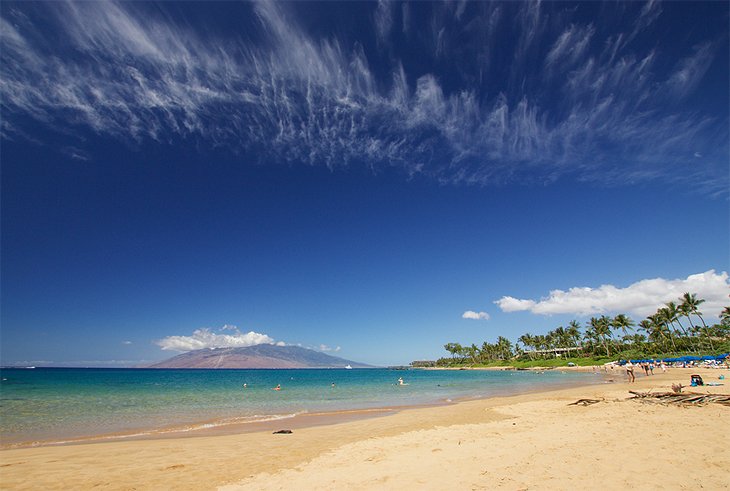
690, 358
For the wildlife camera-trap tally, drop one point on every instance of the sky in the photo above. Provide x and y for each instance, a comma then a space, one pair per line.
371, 180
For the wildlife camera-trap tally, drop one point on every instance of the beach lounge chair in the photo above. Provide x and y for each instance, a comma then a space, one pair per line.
696, 380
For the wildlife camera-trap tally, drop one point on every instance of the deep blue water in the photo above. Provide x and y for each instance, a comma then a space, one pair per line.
55, 404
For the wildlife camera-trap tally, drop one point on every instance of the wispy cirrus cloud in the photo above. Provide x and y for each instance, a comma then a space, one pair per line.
608, 113
641, 298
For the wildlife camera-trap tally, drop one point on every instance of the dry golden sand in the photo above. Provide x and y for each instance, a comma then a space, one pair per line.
533, 441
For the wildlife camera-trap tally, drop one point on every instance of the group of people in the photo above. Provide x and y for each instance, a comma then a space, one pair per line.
648, 368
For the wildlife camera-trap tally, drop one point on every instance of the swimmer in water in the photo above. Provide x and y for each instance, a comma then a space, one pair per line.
278, 387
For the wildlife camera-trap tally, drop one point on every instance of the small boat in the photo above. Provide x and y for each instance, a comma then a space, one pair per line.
348, 367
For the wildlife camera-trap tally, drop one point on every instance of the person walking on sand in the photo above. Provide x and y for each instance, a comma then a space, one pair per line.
630, 371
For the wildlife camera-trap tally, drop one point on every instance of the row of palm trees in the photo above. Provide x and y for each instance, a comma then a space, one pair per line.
676, 327
487, 352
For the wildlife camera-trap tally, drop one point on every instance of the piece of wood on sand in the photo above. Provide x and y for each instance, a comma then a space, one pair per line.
689, 398
585, 402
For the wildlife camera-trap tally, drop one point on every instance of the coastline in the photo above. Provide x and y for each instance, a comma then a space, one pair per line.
507, 368
476, 437
181, 424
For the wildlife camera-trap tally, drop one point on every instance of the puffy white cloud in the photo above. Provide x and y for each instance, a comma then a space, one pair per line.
126, 342
641, 298
205, 338
470, 314
511, 304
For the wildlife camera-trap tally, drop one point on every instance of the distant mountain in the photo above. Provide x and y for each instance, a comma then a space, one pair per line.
259, 356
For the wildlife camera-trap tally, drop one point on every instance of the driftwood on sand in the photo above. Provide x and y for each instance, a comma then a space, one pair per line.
692, 398
585, 402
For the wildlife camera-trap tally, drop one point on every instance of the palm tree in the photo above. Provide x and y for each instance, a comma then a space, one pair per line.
685, 308
473, 352
573, 332
624, 323
504, 347
654, 332
725, 316
560, 337
638, 340
662, 324
674, 314
602, 328
668, 316
528, 341
590, 338
541, 342
455, 349
693, 304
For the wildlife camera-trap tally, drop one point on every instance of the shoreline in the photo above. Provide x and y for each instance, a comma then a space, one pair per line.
270, 422
508, 368
410, 436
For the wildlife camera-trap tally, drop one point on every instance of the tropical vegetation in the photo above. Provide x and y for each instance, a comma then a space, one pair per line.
674, 329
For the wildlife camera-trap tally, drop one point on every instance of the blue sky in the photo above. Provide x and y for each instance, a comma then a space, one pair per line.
353, 177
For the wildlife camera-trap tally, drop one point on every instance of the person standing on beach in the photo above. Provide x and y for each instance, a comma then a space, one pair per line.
630, 371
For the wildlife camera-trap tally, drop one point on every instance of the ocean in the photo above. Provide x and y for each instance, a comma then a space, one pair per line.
56, 405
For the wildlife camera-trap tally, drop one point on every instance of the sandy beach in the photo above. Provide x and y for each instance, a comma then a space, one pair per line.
532, 441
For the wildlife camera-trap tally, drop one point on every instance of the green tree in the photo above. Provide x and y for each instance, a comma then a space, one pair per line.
573, 333
504, 348
528, 341
602, 327
725, 316
692, 306
455, 349
624, 323
660, 320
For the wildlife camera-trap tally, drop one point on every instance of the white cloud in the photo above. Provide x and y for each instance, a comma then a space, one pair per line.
383, 20
511, 304
205, 338
570, 46
300, 98
126, 342
470, 314
324, 347
641, 298
690, 70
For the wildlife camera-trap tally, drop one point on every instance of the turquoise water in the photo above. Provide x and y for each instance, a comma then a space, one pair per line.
55, 404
